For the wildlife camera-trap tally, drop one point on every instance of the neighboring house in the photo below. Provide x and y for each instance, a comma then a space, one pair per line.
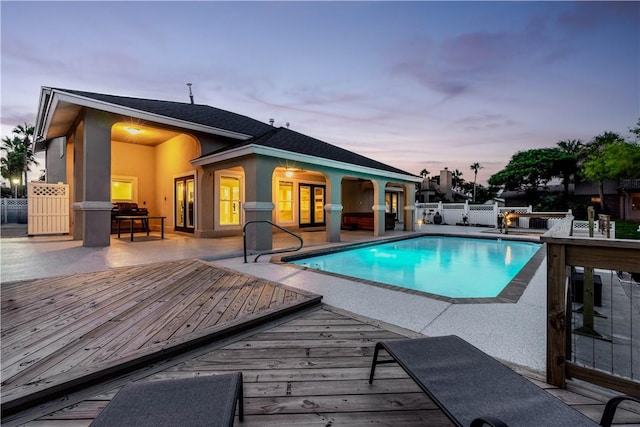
439, 188
209, 171
621, 197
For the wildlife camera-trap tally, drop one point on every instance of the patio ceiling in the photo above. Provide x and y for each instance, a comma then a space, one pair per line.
139, 134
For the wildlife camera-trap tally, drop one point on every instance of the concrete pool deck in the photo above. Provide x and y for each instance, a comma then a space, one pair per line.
515, 333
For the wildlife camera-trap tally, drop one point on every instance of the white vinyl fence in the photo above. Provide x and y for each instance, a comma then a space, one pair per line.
490, 215
48, 208
13, 211
453, 213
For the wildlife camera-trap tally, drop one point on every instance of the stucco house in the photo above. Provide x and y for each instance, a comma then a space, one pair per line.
207, 170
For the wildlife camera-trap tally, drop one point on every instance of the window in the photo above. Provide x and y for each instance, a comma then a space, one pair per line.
285, 201
635, 202
124, 189
229, 200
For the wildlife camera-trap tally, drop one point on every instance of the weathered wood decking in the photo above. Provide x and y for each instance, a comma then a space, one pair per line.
60, 332
311, 370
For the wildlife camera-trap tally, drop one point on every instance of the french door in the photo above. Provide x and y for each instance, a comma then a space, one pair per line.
311, 205
185, 198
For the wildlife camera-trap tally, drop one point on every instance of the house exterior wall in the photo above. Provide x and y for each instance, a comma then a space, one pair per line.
357, 196
172, 160
134, 160
55, 161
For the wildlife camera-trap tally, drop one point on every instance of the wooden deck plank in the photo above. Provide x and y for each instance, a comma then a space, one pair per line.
233, 285
179, 316
79, 286
162, 318
311, 370
120, 283
204, 317
108, 316
311, 382
105, 333
77, 321
265, 298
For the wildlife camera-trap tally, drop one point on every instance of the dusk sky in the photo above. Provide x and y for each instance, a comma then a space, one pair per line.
412, 84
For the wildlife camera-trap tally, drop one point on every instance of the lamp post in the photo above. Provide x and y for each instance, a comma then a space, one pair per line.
16, 181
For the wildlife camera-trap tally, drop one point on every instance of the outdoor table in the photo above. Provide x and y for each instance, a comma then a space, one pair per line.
145, 223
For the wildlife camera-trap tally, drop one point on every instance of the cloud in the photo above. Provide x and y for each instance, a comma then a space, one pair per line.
485, 121
13, 116
469, 62
586, 15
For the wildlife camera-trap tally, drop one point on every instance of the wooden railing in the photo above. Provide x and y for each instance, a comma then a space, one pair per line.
620, 259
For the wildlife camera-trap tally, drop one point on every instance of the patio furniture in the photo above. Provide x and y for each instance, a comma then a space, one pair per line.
365, 221
473, 389
143, 219
186, 402
126, 209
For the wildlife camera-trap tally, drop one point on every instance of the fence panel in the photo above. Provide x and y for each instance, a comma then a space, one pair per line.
483, 215
48, 208
13, 211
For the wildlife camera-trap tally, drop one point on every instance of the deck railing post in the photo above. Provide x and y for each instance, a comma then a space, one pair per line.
556, 314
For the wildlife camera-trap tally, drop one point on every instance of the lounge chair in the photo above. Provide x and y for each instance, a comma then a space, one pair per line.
200, 401
473, 389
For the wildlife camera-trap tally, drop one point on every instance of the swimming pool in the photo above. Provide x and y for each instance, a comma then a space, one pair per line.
452, 267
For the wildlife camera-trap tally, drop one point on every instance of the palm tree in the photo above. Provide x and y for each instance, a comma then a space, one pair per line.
475, 168
424, 173
456, 179
574, 148
19, 155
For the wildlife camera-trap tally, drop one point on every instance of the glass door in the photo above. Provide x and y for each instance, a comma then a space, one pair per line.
185, 204
311, 205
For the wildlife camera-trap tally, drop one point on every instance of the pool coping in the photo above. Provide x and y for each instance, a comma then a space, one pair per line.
511, 293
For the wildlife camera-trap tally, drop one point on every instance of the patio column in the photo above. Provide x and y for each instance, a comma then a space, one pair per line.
258, 205
333, 207
379, 207
92, 180
410, 207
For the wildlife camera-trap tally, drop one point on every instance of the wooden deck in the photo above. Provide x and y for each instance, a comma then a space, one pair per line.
59, 333
69, 343
310, 369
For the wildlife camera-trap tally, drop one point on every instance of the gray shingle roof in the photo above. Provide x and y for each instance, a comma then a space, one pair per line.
289, 140
262, 133
194, 113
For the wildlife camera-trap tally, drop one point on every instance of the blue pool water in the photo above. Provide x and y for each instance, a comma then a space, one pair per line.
454, 267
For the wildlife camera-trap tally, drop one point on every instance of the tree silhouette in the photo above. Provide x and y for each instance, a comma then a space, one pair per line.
475, 168
20, 156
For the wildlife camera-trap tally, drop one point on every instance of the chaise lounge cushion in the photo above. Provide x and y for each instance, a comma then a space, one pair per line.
468, 384
188, 402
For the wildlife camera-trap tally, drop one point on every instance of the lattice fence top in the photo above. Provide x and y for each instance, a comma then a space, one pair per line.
14, 203
37, 189
481, 207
